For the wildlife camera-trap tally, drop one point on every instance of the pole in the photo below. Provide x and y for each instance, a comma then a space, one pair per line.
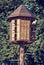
21, 54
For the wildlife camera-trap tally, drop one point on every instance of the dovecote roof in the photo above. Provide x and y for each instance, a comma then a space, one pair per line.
21, 11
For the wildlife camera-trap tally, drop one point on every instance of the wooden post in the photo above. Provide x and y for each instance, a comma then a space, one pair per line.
21, 54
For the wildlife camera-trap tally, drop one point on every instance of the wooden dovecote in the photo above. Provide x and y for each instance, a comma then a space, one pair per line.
21, 25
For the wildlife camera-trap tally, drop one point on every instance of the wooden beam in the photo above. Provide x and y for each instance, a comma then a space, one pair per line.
22, 54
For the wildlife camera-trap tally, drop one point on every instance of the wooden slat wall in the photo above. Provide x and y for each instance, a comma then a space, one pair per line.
18, 29
12, 32
25, 30
28, 30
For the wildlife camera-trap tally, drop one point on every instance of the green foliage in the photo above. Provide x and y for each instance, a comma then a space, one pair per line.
35, 7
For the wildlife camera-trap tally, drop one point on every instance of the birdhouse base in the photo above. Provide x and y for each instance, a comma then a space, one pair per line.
21, 42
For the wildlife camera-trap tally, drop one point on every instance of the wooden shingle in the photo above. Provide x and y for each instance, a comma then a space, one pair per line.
21, 11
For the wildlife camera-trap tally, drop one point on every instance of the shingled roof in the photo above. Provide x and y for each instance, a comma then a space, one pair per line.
21, 11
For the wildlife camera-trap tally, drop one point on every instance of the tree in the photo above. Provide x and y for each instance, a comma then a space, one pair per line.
9, 51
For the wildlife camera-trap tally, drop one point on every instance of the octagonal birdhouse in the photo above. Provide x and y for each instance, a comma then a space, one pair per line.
21, 25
